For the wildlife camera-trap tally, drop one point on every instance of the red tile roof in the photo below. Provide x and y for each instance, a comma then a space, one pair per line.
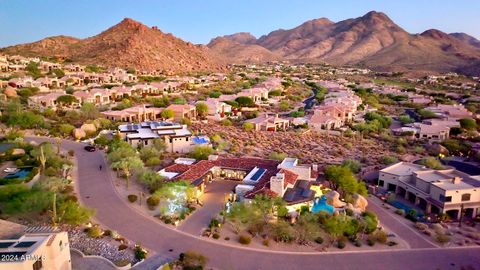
177, 168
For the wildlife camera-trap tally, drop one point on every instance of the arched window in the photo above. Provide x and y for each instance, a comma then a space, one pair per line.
465, 197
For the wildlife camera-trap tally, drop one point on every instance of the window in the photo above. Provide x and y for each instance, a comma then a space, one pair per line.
445, 199
466, 197
380, 183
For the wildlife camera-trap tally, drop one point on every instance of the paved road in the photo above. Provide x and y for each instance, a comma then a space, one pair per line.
97, 191
404, 231
213, 201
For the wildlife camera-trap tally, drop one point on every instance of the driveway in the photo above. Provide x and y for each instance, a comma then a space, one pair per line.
213, 203
97, 191
400, 227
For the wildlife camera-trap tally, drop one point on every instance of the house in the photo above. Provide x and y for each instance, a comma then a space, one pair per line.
181, 111
177, 138
33, 248
269, 122
50, 82
48, 100
217, 109
444, 191
140, 113
255, 176
97, 96
434, 130
450, 112
328, 118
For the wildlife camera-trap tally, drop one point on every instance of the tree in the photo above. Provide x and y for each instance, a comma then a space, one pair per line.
33, 70
405, 119
201, 152
307, 227
148, 152
247, 126
343, 180
202, 109
468, 124
66, 129
128, 164
245, 101
215, 94
102, 140
151, 179
352, 164
70, 212
120, 152
432, 163
277, 156
90, 111
192, 261
284, 105
58, 73
167, 114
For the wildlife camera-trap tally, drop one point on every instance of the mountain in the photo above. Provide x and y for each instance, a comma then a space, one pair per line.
372, 40
127, 44
239, 50
467, 39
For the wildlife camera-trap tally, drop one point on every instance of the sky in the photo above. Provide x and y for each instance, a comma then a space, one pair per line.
198, 21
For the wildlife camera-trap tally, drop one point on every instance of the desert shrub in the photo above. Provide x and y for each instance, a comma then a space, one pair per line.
227, 238
153, 201
122, 247
153, 161
400, 212
357, 243
421, 226
392, 243
442, 238
71, 152
94, 232
216, 236
266, 242
244, 239
380, 236
370, 241
50, 171
140, 253
319, 240
132, 198
192, 261
341, 244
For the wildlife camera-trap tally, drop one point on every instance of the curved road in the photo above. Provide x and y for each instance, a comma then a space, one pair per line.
96, 190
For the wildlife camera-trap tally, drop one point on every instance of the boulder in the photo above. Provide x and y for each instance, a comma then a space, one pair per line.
89, 128
333, 199
18, 152
79, 133
359, 202
10, 92
436, 149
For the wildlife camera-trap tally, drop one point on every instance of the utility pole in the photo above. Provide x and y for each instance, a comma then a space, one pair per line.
462, 212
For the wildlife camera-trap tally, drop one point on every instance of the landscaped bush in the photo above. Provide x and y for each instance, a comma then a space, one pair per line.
442, 238
140, 253
227, 238
132, 198
381, 236
153, 202
50, 171
215, 236
340, 244
95, 232
392, 243
371, 241
122, 263
244, 239
400, 212
421, 226
122, 247
266, 242
319, 240
357, 243
192, 261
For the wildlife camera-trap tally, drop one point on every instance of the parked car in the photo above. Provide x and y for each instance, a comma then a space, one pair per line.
90, 148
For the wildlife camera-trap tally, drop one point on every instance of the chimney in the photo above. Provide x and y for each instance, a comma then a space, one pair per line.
277, 183
456, 180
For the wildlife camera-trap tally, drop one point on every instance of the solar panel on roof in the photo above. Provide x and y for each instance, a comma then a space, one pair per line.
6, 244
25, 244
306, 193
258, 174
289, 196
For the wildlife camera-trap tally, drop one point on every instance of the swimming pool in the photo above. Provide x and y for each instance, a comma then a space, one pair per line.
200, 140
406, 208
21, 174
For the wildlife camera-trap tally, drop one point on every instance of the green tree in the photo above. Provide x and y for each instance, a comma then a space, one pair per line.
102, 140
245, 101
128, 164
33, 70
405, 119
353, 165
432, 163
58, 73
66, 129
70, 212
468, 124
201, 152
89, 111
202, 109
151, 179
167, 114
247, 126
343, 180
277, 156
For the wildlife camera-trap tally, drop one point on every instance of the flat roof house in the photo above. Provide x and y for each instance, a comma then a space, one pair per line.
434, 191
181, 111
33, 248
269, 122
178, 138
139, 113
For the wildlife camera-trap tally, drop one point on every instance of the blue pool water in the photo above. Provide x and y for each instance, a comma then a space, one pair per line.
406, 208
320, 204
200, 140
21, 174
